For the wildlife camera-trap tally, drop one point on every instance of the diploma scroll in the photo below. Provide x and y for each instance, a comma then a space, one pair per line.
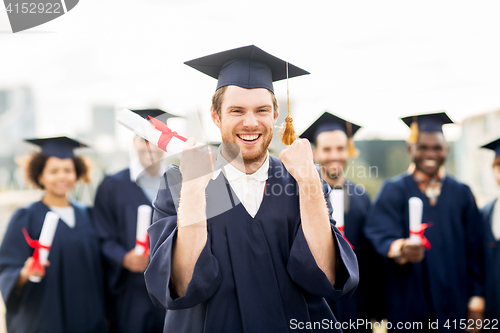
143, 222
337, 201
416, 207
42, 246
156, 132
153, 131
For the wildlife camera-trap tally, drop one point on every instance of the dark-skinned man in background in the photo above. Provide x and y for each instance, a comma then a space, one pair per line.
440, 283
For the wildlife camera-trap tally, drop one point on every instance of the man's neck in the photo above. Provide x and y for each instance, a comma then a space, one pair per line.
337, 182
248, 167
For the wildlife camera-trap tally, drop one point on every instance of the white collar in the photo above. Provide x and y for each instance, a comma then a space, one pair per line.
136, 169
233, 173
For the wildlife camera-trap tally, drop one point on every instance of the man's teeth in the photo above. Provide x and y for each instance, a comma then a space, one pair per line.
249, 137
430, 163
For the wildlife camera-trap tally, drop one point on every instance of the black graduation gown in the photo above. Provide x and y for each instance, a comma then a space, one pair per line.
440, 286
492, 264
254, 274
115, 218
70, 298
367, 302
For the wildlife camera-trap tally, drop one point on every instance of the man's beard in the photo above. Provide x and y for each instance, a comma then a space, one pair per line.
232, 149
335, 174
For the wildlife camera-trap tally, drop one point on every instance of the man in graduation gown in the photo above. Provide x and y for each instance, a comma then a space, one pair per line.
333, 147
115, 214
254, 249
439, 278
491, 221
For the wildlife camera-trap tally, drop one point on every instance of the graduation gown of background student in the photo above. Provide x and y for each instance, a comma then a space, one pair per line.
254, 274
439, 287
115, 216
492, 264
368, 300
70, 298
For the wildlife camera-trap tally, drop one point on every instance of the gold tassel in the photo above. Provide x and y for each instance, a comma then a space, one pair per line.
287, 132
351, 147
413, 131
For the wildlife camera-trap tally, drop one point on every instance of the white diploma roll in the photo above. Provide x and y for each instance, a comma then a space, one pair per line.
143, 222
147, 131
337, 201
416, 208
46, 237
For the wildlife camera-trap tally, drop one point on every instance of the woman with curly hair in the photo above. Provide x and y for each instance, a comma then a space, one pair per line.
70, 295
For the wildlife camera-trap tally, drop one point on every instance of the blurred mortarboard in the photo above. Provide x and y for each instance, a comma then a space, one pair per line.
329, 122
155, 113
430, 122
248, 67
61, 146
495, 146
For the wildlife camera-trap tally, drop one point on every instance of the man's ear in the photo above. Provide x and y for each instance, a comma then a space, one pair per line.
314, 154
215, 117
277, 113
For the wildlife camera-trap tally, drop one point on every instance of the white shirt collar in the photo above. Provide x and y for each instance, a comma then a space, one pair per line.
233, 173
136, 169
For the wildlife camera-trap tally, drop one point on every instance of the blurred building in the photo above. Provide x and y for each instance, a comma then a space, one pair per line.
474, 164
17, 122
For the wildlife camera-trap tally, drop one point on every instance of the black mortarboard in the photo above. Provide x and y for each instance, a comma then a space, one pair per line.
247, 67
155, 113
430, 122
494, 145
61, 146
329, 122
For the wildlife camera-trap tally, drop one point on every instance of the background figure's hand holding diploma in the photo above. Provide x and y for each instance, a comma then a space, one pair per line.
42, 246
143, 222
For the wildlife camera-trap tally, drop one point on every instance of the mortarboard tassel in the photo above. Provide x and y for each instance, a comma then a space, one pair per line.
287, 133
351, 147
413, 131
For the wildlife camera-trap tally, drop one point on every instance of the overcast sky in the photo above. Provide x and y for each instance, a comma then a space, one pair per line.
370, 61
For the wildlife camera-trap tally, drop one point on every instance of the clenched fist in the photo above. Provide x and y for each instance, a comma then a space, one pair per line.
298, 160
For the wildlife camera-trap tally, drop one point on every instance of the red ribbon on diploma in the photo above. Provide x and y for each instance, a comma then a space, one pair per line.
166, 133
144, 244
420, 233
341, 229
36, 255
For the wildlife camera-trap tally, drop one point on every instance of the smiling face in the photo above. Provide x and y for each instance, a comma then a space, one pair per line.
331, 153
247, 120
429, 153
58, 176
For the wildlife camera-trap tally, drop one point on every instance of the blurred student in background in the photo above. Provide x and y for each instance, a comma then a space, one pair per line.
491, 221
332, 138
438, 278
70, 295
115, 213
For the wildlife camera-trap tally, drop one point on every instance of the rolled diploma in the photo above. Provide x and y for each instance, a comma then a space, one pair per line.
337, 200
143, 222
147, 131
46, 237
416, 207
